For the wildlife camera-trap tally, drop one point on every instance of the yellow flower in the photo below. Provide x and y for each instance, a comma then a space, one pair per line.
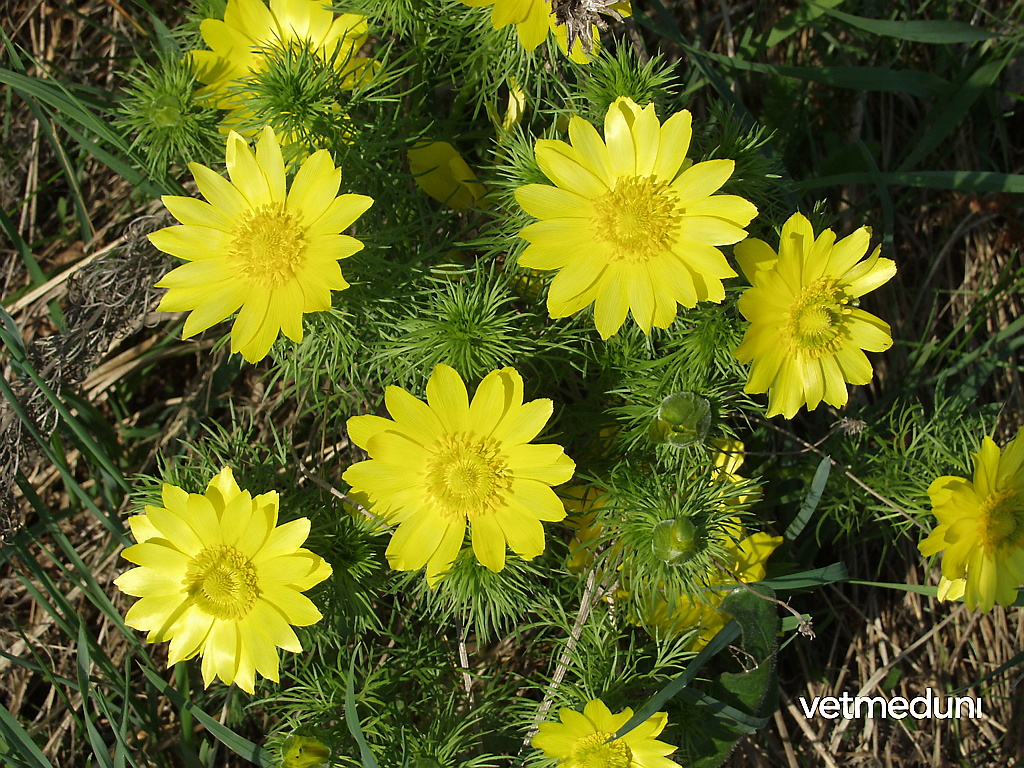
448, 462
981, 528
578, 741
249, 28
440, 171
583, 503
951, 589
580, 54
513, 113
535, 18
529, 16
728, 458
258, 247
746, 559
631, 225
806, 333
220, 578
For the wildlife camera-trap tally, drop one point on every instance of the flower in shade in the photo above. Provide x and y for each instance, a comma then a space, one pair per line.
981, 528
583, 503
807, 336
440, 171
257, 247
219, 577
678, 614
579, 740
631, 225
440, 465
239, 44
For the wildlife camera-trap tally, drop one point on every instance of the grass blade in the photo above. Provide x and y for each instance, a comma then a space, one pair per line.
352, 718
17, 748
238, 744
725, 635
816, 578
811, 500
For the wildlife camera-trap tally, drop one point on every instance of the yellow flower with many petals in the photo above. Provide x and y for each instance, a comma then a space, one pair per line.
448, 462
631, 225
239, 44
258, 246
806, 332
680, 614
578, 741
981, 528
219, 577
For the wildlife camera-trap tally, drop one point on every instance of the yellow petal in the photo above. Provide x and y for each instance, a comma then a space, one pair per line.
192, 242
283, 540
268, 157
246, 173
297, 609
488, 542
675, 140
561, 164
611, 305
754, 256
314, 187
618, 136
447, 398
702, 180
340, 214
546, 202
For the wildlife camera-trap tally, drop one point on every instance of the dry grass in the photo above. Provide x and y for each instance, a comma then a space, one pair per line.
872, 641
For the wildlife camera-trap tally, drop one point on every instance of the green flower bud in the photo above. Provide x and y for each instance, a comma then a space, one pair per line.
674, 542
683, 418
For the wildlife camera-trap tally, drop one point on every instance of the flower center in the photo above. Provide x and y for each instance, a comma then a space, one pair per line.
1001, 520
815, 322
223, 582
592, 752
467, 474
268, 245
638, 218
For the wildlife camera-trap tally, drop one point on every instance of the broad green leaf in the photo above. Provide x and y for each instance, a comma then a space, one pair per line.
964, 181
795, 21
948, 113
930, 31
735, 703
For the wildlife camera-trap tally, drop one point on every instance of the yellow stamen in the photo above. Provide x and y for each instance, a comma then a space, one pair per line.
592, 752
268, 246
638, 218
223, 582
467, 475
1001, 520
815, 323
